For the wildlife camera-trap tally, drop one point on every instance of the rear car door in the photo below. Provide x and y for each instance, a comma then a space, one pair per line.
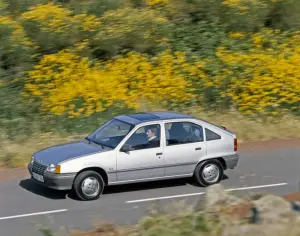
184, 147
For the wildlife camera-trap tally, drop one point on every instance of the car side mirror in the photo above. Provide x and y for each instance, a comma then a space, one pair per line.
126, 148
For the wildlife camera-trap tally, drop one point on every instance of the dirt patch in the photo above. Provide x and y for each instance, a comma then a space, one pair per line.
13, 174
269, 145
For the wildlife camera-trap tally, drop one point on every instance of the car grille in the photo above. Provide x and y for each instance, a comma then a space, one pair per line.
38, 168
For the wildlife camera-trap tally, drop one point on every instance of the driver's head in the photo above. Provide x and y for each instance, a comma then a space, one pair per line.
151, 132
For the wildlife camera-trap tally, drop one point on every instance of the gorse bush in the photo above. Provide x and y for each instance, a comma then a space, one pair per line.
141, 30
54, 27
65, 63
67, 83
263, 80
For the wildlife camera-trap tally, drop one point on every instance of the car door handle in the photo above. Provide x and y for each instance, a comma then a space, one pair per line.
198, 148
159, 153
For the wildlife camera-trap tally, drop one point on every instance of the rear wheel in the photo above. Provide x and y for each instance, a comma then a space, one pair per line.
88, 185
208, 172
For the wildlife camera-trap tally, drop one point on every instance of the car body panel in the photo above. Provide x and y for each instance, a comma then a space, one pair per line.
106, 161
219, 147
140, 164
181, 159
59, 153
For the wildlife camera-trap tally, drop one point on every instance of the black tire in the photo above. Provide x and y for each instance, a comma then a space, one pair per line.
79, 180
199, 170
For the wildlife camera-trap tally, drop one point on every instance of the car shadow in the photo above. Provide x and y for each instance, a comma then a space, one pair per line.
152, 185
32, 186
35, 188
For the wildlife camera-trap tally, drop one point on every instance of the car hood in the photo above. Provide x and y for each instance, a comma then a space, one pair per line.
59, 153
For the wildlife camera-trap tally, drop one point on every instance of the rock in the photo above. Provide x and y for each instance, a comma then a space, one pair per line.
273, 209
216, 198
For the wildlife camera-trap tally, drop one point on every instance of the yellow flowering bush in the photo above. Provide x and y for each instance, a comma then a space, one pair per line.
55, 27
14, 31
139, 29
3, 6
156, 2
16, 49
266, 78
243, 4
68, 84
55, 18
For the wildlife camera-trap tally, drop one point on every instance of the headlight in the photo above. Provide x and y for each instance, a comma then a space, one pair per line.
32, 160
53, 169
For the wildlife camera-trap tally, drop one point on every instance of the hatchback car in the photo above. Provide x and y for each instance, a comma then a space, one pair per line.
138, 148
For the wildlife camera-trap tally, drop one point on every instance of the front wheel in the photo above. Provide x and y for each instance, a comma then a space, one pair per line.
208, 172
88, 185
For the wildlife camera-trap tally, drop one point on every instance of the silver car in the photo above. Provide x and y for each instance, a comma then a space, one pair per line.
138, 148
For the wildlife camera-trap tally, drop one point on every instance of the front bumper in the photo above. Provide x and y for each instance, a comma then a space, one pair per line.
55, 181
231, 161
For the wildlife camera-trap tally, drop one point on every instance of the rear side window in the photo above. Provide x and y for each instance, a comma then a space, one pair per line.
210, 135
182, 133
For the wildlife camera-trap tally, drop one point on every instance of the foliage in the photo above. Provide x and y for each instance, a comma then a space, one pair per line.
68, 83
142, 30
95, 7
265, 79
90, 60
15, 48
55, 27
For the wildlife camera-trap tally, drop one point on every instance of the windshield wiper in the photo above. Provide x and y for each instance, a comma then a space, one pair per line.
101, 144
92, 141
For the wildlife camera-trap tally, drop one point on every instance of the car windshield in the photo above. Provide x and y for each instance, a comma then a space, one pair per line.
111, 133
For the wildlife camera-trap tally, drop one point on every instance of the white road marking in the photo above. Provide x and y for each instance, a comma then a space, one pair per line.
201, 193
256, 187
166, 197
32, 214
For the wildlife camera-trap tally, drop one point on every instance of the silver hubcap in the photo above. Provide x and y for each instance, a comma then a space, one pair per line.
90, 186
211, 173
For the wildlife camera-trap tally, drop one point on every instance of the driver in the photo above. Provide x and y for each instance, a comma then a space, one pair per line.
152, 137
151, 133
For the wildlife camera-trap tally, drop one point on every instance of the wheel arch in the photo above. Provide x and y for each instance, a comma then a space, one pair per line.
99, 170
219, 159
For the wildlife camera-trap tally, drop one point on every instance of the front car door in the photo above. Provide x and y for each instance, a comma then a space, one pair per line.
185, 147
145, 161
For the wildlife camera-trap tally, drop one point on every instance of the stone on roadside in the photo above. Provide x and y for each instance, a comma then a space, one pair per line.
217, 199
273, 209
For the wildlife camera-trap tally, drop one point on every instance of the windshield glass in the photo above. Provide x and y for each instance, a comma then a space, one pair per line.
111, 133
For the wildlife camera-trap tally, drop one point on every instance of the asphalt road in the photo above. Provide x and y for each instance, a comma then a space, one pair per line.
24, 206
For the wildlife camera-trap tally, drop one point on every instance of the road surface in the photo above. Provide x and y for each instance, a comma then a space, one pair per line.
25, 206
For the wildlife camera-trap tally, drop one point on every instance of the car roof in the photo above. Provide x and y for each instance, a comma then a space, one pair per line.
137, 118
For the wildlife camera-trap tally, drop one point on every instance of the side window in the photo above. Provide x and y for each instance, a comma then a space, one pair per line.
210, 135
183, 132
145, 137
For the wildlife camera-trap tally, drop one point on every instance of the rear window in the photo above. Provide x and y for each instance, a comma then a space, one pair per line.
210, 135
